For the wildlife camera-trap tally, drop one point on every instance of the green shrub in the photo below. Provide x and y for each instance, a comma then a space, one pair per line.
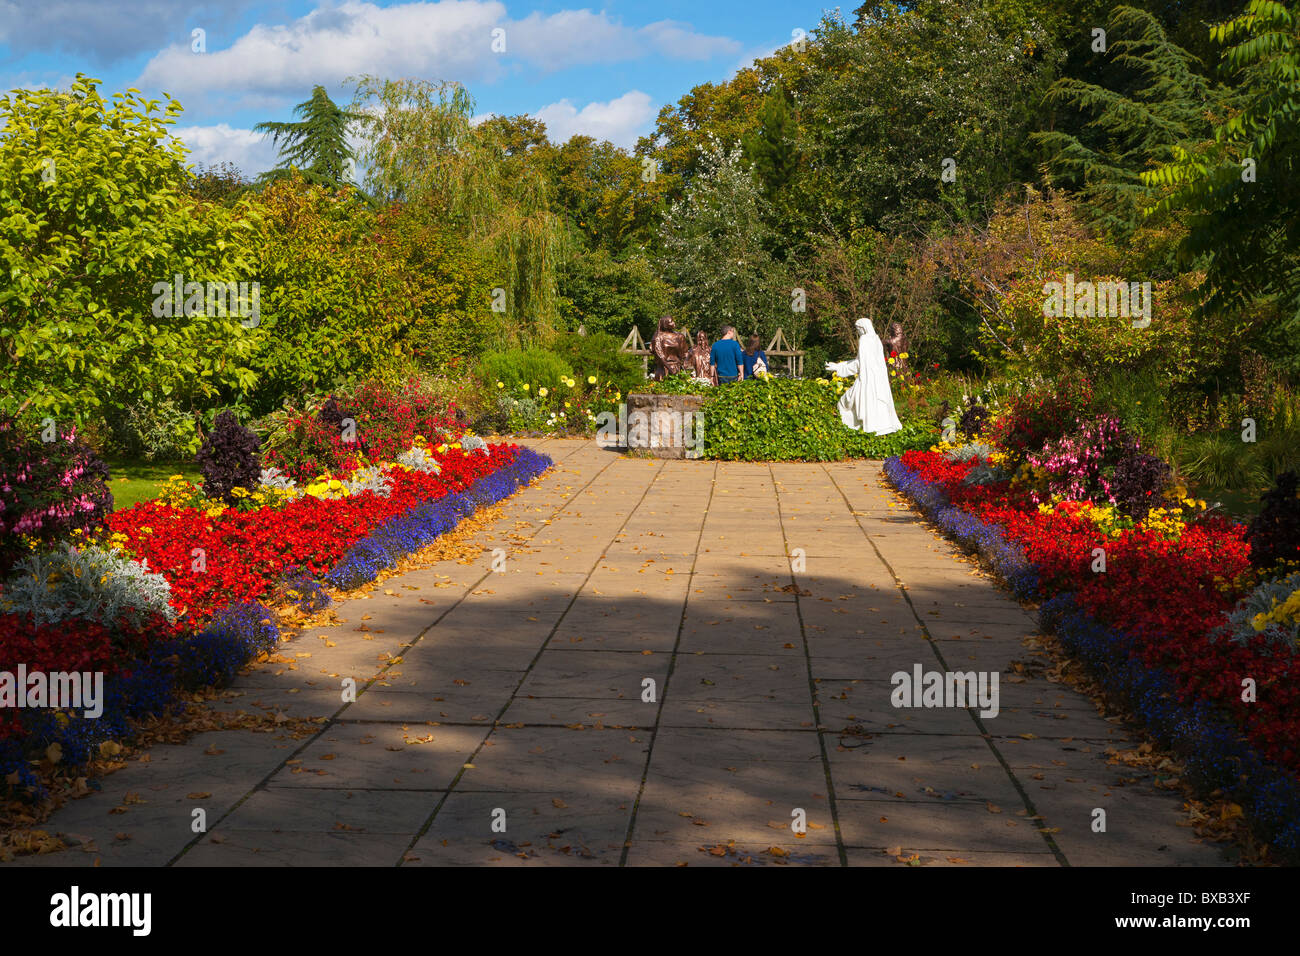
1219, 461
154, 431
779, 419
681, 383
536, 368
97, 222
598, 354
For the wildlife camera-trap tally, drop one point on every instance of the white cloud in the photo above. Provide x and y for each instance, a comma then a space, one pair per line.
328, 45
448, 40
212, 145
620, 120
106, 29
575, 37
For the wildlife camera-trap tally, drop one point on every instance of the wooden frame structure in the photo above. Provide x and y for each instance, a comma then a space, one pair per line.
780, 348
635, 345
777, 348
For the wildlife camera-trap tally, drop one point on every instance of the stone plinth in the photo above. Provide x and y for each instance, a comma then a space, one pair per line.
666, 426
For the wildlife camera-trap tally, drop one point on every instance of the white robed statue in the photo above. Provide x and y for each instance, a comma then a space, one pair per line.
868, 406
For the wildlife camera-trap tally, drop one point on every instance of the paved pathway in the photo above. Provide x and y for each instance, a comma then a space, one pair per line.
520, 698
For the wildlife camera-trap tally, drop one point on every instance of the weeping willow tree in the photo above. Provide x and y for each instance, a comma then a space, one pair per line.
419, 144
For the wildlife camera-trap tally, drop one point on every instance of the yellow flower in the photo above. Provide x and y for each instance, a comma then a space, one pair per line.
527, 386
543, 392
591, 380
501, 384
568, 405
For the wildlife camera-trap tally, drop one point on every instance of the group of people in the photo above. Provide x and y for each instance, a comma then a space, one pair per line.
724, 361
867, 405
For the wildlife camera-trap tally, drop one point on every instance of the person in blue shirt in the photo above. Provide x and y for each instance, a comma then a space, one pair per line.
728, 357
753, 356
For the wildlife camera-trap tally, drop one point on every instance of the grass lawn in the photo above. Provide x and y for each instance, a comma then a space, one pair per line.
135, 481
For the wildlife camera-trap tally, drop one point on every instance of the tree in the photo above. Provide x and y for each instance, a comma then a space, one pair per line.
94, 215
604, 294
1152, 101
222, 183
350, 291
316, 145
714, 252
1242, 187
772, 148
420, 145
920, 116
603, 194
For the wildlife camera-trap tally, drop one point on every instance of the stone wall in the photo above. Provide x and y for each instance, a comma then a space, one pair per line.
666, 426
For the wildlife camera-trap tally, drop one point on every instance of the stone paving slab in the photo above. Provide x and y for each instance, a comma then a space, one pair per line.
682, 661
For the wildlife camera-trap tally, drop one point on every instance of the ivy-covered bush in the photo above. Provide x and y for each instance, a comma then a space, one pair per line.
778, 419
229, 459
1274, 534
48, 489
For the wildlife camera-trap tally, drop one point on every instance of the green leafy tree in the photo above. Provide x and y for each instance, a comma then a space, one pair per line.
420, 145
351, 292
1152, 100
605, 294
604, 193
714, 252
94, 212
939, 87
316, 145
1242, 187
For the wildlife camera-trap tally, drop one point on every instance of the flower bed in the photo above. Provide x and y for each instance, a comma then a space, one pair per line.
172, 595
1156, 627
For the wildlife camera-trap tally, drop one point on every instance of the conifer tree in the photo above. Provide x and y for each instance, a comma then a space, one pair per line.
316, 145
1241, 185
1152, 99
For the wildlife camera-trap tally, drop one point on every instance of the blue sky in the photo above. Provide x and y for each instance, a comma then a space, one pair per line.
603, 71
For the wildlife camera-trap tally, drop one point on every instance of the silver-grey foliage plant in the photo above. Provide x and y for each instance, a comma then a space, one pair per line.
96, 583
1240, 627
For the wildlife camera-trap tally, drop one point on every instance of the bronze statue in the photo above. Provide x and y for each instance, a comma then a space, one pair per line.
670, 349
896, 344
699, 362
